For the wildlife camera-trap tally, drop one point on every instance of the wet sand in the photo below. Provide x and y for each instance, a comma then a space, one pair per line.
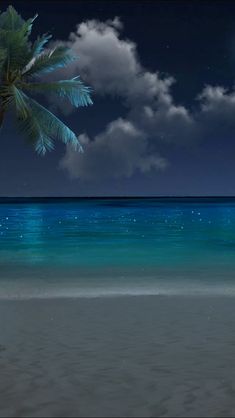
142, 356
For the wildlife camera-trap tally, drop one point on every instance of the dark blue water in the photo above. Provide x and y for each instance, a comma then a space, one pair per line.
93, 246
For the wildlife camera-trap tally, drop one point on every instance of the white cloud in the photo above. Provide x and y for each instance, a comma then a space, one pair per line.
112, 67
117, 152
216, 115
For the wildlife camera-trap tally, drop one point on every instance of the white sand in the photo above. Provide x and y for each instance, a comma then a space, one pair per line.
128, 356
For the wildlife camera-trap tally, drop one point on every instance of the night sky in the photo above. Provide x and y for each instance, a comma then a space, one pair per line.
163, 119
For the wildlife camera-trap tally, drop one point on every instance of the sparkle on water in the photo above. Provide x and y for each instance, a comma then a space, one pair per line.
136, 244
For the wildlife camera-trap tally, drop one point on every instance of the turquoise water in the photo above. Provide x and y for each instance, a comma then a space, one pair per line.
119, 244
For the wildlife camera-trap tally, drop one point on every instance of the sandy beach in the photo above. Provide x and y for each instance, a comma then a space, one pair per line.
124, 356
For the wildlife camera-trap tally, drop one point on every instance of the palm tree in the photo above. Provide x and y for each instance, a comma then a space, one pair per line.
22, 65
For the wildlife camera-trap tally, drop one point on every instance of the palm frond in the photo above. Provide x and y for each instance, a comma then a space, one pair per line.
3, 55
39, 44
18, 51
33, 131
10, 19
17, 46
14, 33
19, 61
42, 127
53, 126
44, 144
21, 103
10, 94
6, 96
49, 61
74, 90
28, 121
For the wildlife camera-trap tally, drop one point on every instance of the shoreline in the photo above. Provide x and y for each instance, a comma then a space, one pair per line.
87, 294
116, 297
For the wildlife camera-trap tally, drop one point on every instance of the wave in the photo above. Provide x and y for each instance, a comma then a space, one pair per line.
23, 291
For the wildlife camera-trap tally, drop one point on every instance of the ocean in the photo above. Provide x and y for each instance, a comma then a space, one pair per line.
93, 247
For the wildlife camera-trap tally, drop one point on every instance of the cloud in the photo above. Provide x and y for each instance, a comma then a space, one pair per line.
112, 67
216, 114
217, 102
117, 152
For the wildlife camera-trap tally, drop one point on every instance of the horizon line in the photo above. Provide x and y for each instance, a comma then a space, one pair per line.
124, 197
